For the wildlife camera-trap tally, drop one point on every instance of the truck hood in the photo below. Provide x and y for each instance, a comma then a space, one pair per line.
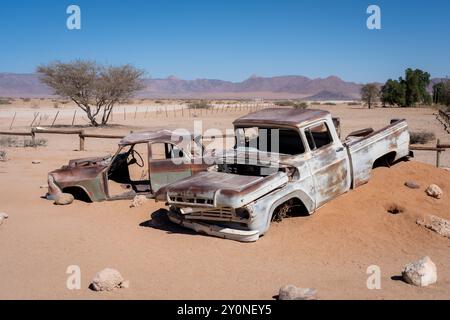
91, 161
218, 189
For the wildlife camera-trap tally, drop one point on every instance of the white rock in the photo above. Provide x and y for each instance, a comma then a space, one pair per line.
125, 284
3, 217
106, 280
420, 273
138, 201
291, 292
436, 224
64, 199
434, 191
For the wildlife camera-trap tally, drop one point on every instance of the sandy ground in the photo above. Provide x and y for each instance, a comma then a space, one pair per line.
329, 250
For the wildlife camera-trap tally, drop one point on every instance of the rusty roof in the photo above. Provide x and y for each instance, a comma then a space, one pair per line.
282, 116
147, 136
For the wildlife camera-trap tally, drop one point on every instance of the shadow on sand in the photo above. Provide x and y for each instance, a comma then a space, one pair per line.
160, 221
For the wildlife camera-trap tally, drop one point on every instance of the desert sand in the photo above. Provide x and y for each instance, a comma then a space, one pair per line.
329, 250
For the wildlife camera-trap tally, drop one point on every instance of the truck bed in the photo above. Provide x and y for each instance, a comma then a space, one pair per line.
391, 141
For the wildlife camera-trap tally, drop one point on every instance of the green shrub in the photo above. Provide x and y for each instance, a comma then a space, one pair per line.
5, 101
199, 105
285, 103
26, 142
301, 105
421, 137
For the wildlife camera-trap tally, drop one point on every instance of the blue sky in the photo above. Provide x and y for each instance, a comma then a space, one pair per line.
231, 40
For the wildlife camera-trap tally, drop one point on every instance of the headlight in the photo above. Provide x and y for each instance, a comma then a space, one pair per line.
242, 213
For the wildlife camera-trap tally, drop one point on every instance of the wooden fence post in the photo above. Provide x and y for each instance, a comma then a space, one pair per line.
54, 120
438, 153
74, 115
35, 117
12, 122
33, 137
81, 135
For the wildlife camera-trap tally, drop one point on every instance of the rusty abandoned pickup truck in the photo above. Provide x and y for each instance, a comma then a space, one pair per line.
142, 164
252, 185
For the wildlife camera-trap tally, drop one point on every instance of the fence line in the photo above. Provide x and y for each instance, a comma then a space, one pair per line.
439, 148
444, 118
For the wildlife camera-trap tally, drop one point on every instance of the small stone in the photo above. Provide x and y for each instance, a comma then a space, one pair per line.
138, 201
420, 273
125, 284
436, 224
412, 185
3, 217
3, 156
107, 280
291, 292
64, 199
434, 191
36, 161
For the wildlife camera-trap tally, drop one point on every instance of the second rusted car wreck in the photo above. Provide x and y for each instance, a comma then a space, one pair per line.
253, 184
143, 163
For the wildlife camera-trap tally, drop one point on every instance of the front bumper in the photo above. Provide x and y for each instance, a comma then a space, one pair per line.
214, 230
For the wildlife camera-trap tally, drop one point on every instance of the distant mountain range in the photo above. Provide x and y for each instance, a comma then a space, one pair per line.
330, 88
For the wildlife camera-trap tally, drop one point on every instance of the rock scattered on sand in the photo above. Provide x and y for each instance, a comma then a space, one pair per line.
412, 185
291, 292
138, 201
420, 273
107, 280
434, 191
3, 217
436, 224
36, 161
63, 199
3, 156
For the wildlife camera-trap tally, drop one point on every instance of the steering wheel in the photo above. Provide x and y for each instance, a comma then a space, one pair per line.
133, 155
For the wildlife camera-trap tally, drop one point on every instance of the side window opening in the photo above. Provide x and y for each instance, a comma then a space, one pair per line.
166, 151
318, 136
158, 151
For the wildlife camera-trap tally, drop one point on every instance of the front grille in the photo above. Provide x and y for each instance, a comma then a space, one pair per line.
190, 201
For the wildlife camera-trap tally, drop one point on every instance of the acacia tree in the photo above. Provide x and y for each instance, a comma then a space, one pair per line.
370, 93
94, 88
